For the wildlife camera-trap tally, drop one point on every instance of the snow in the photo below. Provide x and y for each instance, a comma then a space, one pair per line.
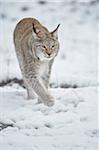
69, 125
72, 123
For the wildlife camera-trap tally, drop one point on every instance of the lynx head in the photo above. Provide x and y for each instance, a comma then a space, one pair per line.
45, 43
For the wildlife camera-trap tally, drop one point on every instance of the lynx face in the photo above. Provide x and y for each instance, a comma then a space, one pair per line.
46, 45
47, 49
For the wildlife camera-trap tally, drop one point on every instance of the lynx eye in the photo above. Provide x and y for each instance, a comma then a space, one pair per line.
44, 46
53, 46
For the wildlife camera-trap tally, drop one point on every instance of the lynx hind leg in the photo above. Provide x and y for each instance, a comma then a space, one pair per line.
31, 94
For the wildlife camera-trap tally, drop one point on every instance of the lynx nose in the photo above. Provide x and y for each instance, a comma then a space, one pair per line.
49, 54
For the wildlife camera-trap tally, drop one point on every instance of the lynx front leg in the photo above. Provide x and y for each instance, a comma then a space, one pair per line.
42, 92
47, 73
45, 81
31, 94
46, 78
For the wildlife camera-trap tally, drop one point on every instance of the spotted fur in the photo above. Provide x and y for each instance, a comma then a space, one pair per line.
36, 49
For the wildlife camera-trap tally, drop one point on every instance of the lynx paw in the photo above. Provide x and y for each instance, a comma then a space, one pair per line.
49, 102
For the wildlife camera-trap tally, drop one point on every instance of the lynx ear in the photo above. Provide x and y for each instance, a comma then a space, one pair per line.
37, 31
55, 32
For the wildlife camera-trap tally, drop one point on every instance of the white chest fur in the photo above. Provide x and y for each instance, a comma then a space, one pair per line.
43, 69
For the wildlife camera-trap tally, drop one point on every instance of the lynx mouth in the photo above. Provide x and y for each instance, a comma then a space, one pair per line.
48, 58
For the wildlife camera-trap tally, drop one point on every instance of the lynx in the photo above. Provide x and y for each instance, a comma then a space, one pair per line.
36, 49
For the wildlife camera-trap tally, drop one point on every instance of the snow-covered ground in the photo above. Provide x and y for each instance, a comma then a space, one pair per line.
69, 125
72, 124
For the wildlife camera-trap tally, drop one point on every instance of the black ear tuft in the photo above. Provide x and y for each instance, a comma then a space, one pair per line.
56, 28
34, 28
55, 32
